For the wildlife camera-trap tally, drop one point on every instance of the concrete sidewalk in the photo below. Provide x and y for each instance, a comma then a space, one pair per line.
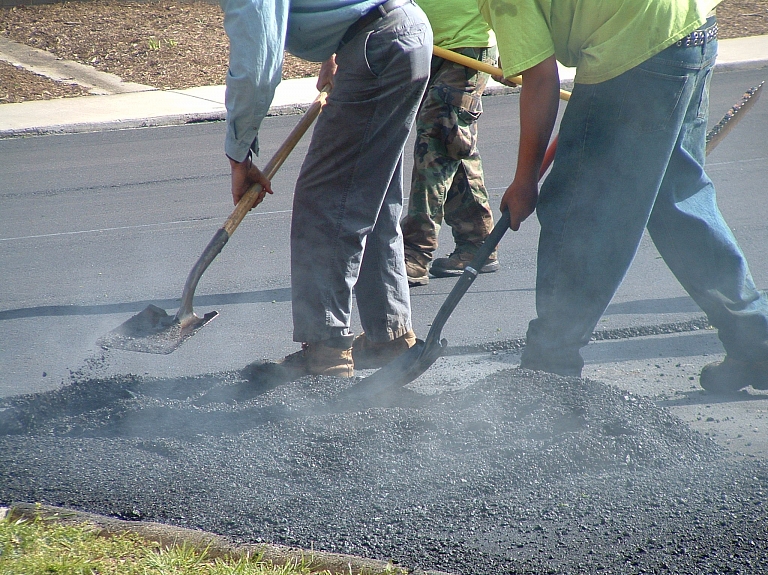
129, 105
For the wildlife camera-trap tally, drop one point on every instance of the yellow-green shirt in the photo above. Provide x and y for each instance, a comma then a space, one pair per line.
600, 38
457, 24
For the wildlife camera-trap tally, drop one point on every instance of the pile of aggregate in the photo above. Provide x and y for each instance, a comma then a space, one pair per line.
522, 472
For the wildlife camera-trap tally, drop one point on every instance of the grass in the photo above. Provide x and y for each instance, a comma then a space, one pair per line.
47, 547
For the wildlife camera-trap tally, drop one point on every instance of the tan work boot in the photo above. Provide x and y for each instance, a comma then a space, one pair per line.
454, 264
732, 375
372, 355
418, 274
318, 359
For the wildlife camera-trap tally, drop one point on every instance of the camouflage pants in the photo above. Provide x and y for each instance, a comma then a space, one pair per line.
447, 182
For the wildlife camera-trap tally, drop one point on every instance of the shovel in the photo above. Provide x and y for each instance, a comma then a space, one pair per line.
411, 364
153, 330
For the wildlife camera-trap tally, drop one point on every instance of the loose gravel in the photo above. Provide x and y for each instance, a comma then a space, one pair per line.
520, 473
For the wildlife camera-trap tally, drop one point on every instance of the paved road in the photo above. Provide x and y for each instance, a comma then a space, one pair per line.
94, 227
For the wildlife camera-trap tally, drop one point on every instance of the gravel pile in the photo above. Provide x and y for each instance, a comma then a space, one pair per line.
520, 473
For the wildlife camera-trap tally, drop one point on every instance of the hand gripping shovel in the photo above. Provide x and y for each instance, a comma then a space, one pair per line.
153, 330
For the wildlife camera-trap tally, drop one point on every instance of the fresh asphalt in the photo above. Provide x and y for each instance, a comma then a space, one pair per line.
95, 225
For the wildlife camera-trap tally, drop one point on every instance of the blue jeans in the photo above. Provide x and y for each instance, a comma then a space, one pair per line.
345, 229
630, 156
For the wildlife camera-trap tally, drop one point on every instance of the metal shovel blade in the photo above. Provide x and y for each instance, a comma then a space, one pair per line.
154, 331
418, 359
399, 372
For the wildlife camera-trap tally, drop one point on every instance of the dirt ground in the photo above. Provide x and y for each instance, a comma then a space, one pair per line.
168, 44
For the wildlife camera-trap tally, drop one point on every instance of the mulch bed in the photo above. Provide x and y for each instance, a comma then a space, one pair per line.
18, 85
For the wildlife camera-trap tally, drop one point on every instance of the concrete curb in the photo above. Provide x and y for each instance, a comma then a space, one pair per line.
214, 545
84, 127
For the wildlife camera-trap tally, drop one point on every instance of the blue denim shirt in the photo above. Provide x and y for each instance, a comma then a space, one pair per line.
259, 31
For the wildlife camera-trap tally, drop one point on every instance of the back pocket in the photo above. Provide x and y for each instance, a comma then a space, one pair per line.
650, 103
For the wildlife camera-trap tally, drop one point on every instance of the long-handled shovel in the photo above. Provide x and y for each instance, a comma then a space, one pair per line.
457, 58
718, 132
411, 364
153, 330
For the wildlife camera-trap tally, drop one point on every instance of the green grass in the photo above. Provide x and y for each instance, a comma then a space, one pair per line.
47, 547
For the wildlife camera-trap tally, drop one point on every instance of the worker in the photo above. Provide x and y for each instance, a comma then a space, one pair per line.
630, 157
345, 228
447, 181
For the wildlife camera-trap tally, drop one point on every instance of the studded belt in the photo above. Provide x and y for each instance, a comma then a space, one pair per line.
699, 37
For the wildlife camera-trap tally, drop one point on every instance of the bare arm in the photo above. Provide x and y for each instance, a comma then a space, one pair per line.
539, 99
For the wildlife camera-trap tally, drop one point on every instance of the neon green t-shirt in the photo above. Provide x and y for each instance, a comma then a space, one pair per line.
601, 38
457, 24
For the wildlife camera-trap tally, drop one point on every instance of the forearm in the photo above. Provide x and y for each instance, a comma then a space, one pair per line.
539, 101
256, 31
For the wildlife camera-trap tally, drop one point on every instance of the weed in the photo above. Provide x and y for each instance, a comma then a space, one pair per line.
155, 44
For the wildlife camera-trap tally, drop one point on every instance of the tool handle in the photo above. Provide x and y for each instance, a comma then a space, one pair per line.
466, 279
469, 275
732, 117
483, 67
255, 194
250, 199
549, 156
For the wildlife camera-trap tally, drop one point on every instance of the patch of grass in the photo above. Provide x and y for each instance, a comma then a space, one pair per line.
51, 548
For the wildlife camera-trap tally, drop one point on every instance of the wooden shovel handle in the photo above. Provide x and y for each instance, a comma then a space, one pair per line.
255, 194
483, 67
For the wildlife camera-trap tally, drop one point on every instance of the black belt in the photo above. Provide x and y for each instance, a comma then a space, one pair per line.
699, 37
370, 17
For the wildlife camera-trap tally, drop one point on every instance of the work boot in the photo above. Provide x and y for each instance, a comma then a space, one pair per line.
317, 359
417, 269
368, 354
454, 264
731, 375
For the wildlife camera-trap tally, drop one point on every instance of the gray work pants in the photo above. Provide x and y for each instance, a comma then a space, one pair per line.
345, 231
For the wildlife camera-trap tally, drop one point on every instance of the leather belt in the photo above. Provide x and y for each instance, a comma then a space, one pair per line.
699, 37
370, 17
